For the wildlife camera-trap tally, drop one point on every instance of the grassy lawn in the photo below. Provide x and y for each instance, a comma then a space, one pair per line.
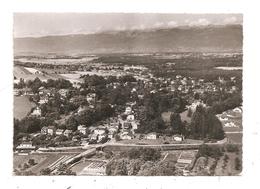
20, 160
235, 137
22, 106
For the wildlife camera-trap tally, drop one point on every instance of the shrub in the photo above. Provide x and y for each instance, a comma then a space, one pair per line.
232, 148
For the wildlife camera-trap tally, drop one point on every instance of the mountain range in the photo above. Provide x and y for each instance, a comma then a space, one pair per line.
228, 38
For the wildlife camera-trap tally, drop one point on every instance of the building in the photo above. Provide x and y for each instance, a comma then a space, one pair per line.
37, 112
151, 136
82, 129
178, 138
134, 125
99, 131
59, 132
101, 137
94, 136
51, 130
91, 97
26, 146
130, 117
44, 130
67, 132
128, 110
63, 92
126, 136
126, 125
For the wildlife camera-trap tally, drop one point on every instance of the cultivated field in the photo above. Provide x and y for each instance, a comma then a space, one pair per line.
43, 160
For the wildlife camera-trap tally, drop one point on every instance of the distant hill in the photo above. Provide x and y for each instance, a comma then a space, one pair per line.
197, 39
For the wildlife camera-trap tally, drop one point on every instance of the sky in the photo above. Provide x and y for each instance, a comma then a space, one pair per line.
45, 24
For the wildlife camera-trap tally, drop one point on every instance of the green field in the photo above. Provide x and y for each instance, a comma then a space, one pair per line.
22, 106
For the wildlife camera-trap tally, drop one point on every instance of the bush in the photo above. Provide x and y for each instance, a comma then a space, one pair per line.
210, 151
31, 162
232, 148
237, 164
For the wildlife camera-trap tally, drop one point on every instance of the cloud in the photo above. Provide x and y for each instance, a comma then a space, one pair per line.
172, 24
158, 24
199, 22
120, 28
230, 20
138, 27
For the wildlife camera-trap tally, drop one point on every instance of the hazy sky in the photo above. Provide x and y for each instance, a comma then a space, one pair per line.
42, 24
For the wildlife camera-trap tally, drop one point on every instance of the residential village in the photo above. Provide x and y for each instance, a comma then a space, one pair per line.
119, 105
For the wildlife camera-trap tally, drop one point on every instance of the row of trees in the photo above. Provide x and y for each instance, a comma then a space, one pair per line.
37, 83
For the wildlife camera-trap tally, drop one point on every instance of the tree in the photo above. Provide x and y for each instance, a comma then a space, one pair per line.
31, 162
237, 164
25, 166
150, 154
121, 168
117, 137
46, 171
176, 122
117, 167
189, 113
204, 124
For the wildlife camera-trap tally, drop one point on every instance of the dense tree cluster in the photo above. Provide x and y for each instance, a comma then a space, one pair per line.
132, 163
89, 116
204, 124
210, 151
227, 104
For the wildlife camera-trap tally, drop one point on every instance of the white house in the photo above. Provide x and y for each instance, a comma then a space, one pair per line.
151, 136
126, 136
37, 112
59, 131
91, 97
44, 130
178, 138
99, 131
130, 117
51, 130
26, 146
82, 129
128, 110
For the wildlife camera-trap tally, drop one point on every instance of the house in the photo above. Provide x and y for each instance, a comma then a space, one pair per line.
82, 129
151, 136
103, 136
63, 92
126, 136
43, 100
75, 138
130, 117
128, 110
178, 138
59, 131
94, 136
44, 130
51, 130
37, 112
237, 110
126, 125
134, 125
26, 146
99, 131
91, 97
67, 132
